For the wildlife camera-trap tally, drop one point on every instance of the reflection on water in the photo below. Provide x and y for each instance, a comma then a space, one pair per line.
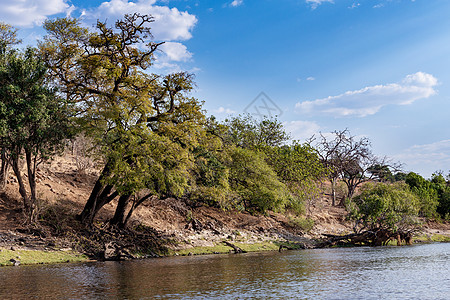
417, 272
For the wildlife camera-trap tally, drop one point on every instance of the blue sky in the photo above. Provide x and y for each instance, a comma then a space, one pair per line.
380, 68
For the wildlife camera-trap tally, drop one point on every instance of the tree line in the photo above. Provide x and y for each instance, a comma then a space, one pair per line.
155, 140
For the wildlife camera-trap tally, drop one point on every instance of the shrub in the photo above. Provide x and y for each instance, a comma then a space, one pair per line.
389, 206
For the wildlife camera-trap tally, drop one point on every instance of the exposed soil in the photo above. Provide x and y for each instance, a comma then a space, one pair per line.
161, 224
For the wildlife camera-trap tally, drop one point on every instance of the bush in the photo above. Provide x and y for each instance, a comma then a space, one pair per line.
304, 224
255, 182
389, 206
426, 193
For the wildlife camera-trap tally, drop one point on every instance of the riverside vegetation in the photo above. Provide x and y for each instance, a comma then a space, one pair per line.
152, 143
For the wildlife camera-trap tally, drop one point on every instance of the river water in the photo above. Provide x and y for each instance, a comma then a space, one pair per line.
414, 272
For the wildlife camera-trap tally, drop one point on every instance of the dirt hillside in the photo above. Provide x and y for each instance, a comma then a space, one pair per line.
63, 190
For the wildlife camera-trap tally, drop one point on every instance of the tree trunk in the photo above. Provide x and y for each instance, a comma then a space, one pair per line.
333, 191
22, 190
31, 169
119, 216
134, 205
97, 199
4, 169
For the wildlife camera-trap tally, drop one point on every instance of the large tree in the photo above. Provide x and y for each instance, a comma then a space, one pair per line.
8, 38
34, 120
125, 107
349, 159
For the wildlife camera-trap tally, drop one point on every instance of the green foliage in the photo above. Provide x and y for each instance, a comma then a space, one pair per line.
8, 36
34, 119
426, 192
381, 173
385, 206
443, 191
247, 132
145, 124
145, 160
304, 224
255, 182
33, 116
295, 163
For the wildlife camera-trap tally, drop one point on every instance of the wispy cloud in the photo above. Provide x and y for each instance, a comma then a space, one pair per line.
315, 3
236, 3
427, 158
223, 110
301, 130
28, 13
369, 100
310, 78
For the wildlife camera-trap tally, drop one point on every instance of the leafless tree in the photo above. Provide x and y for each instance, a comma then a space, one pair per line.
348, 158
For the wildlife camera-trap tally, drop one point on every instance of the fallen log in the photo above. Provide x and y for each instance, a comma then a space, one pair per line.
375, 237
235, 248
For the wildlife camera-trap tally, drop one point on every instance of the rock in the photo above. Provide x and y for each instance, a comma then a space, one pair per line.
15, 262
13, 249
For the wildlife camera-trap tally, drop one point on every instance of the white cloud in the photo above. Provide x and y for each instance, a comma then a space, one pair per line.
27, 13
310, 78
315, 3
369, 100
223, 110
236, 3
301, 130
354, 5
169, 57
427, 159
175, 51
170, 23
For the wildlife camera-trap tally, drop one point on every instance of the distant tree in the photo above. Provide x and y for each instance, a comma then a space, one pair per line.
8, 36
442, 188
381, 173
400, 176
298, 166
34, 119
247, 132
349, 159
426, 192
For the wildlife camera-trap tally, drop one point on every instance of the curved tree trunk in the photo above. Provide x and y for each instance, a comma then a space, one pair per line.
119, 216
100, 195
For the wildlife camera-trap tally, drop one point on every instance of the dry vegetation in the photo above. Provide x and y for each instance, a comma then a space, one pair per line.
165, 226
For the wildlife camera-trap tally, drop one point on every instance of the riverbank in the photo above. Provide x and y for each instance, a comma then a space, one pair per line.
159, 227
16, 257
